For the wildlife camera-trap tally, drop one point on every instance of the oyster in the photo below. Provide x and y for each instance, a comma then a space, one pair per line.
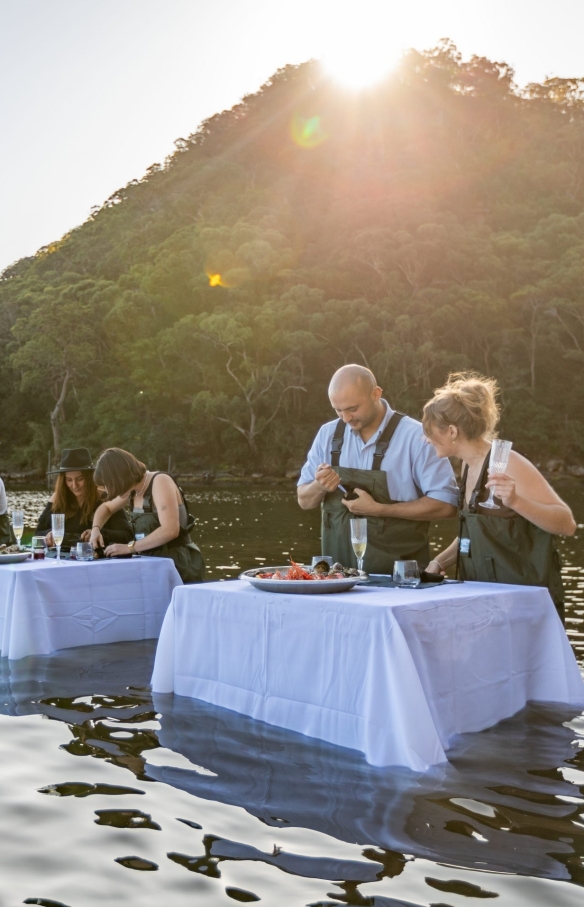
322, 568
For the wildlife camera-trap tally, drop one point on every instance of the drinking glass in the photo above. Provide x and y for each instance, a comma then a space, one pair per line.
359, 540
406, 573
84, 551
18, 524
58, 527
498, 460
39, 546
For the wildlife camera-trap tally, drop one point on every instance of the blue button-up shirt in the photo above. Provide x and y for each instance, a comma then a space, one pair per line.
410, 464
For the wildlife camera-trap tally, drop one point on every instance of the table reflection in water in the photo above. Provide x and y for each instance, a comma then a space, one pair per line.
502, 802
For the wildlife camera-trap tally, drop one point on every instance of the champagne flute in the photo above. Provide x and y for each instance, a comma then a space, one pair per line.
498, 460
18, 524
58, 527
359, 540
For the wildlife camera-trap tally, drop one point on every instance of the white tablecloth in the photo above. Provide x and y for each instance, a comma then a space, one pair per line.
46, 606
393, 673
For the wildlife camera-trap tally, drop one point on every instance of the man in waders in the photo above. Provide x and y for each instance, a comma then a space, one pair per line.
393, 477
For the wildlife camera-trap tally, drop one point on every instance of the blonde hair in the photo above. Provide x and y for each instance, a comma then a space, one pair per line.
468, 401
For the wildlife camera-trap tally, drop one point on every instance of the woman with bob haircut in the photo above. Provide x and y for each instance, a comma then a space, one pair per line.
77, 496
158, 512
514, 544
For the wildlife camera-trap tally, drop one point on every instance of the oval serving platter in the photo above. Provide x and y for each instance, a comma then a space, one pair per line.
298, 586
14, 558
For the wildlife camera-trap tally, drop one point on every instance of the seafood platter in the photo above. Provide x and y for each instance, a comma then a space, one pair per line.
13, 554
300, 580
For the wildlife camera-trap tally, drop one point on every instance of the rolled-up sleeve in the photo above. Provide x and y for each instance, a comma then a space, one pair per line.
434, 475
316, 456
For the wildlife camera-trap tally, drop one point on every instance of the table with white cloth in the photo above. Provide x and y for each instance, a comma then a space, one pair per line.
47, 605
394, 673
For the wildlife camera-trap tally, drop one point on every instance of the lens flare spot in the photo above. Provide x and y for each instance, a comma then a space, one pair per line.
307, 132
215, 280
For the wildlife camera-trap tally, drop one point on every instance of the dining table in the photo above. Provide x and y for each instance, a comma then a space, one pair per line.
395, 673
47, 605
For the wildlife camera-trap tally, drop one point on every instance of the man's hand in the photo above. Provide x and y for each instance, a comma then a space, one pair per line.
327, 478
363, 504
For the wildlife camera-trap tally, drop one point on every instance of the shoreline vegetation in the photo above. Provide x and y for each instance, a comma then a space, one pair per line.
554, 469
430, 224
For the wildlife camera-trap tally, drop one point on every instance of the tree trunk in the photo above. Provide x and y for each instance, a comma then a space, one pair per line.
57, 414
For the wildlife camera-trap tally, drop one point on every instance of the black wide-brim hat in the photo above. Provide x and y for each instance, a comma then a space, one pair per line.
78, 459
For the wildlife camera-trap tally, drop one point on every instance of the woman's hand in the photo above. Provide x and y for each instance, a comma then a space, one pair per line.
96, 538
435, 567
116, 549
50, 540
86, 536
504, 488
362, 505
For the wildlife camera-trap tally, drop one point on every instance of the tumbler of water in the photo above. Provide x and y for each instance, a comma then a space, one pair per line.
359, 540
498, 460
18, 524
58, 527
406, 573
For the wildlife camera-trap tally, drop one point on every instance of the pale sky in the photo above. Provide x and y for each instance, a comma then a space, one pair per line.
92, 92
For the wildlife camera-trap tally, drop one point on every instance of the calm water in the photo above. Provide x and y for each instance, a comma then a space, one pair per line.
109, 796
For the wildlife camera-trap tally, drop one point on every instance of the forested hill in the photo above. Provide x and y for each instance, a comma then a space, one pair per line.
433, 223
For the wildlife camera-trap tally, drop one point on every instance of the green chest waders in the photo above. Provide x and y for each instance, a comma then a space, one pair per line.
505, 547
6, 533
187, 557
388, 538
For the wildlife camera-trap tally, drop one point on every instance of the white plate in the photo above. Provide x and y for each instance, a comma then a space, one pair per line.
14, 558
297, 586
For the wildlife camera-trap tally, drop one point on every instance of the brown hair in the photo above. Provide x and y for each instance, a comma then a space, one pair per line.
117, 470
468, 401
66, 502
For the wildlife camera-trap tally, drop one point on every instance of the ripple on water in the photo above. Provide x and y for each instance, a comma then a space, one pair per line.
273, 815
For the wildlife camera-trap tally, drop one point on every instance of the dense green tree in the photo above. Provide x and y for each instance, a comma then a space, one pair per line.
433, 223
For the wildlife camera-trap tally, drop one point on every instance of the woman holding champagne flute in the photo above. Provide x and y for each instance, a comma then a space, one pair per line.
508, 513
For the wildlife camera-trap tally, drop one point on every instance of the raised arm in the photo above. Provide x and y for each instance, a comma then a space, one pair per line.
523, 488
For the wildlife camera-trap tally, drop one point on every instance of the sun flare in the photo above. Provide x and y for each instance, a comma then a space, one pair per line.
359, 65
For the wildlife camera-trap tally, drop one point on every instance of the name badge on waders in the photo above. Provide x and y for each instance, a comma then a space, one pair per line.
464, 547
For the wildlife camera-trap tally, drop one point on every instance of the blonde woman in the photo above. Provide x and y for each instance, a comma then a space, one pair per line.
514, 544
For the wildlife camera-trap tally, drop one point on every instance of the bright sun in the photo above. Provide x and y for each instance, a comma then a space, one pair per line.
359, 64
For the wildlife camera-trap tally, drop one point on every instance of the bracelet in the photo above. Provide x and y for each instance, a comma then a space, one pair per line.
97, 527
436, 561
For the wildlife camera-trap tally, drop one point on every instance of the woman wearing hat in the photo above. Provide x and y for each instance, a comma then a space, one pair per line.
77, 496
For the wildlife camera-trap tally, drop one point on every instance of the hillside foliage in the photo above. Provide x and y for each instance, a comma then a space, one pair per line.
433, 223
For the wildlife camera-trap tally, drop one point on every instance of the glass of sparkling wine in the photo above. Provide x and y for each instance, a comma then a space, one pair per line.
498, 460
18, 524
58, 527
359, 540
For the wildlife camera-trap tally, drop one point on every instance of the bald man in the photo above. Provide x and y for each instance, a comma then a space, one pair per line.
393, 477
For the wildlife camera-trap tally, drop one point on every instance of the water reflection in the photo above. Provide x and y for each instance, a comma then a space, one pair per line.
510, 800
510, 803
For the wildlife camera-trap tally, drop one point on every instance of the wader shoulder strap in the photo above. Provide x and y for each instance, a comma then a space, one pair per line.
461, 503
385, 440
380, 448
473, 502
148, 508
337, 443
